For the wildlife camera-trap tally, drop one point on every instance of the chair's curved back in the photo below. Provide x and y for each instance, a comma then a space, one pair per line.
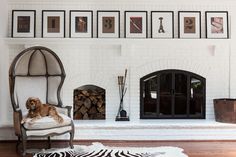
36, 72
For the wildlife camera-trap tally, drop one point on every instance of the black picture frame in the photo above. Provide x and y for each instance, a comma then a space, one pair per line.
30, 30
54, 34
115, 32
190, 32
171, 35
126, 24
89, 33
224, 23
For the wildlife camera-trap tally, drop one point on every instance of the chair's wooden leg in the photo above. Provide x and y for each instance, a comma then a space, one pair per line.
24, 145
49, 142
18, 143
71, 139
72, 132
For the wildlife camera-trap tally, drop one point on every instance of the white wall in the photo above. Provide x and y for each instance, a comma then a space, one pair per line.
3, 18
99, 62
4, 62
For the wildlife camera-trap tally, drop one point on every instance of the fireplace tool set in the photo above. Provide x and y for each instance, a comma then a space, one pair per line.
122, 114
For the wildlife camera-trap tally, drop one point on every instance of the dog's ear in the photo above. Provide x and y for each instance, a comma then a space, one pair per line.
27, 104
38, 102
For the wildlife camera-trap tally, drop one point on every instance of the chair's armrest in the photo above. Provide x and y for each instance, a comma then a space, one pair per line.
64, 110
17, 121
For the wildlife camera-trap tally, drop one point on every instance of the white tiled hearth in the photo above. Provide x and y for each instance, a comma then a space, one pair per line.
146, 130
156, 130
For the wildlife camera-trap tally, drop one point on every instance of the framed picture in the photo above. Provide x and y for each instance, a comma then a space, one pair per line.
53, 23
23, 23
108, 24
136, 24
217, 24
189, 24
162, 24
81, 23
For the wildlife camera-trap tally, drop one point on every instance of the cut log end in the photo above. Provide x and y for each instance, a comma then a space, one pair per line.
89, 104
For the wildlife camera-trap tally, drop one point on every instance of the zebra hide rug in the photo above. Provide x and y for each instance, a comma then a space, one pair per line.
99, 150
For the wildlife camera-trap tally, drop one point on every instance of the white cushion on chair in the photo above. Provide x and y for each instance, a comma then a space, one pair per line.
61, 110
48, 131
47, 122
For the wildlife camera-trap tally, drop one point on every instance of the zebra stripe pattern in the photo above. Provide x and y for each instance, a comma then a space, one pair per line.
98, 153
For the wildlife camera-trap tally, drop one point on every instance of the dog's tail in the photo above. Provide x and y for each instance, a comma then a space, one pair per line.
54, 114
58, 118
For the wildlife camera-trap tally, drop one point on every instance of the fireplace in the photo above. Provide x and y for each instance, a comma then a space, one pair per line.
172, 94
89, 103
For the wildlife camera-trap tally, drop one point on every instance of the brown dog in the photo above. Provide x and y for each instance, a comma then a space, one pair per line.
36, 110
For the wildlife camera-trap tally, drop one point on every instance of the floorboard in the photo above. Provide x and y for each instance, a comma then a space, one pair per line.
191, 148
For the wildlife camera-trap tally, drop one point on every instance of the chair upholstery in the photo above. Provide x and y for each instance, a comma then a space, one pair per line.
38, 72
26, 87
47, 123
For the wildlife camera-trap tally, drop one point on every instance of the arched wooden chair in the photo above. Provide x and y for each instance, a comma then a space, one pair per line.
38, 72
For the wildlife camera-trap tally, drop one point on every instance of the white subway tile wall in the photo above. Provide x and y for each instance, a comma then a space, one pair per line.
100, 61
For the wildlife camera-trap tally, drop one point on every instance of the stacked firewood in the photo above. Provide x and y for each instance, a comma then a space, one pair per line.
89, 104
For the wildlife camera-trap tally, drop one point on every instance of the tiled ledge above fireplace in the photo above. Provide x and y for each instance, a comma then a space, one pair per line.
108, 41
123, 44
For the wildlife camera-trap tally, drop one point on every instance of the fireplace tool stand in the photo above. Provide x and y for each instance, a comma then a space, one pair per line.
122, 114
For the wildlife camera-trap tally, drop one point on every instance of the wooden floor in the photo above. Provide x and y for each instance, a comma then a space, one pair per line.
191, 148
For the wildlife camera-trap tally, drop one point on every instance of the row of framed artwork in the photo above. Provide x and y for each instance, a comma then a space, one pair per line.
108, 24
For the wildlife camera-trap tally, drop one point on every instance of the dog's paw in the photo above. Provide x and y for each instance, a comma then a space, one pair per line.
31, 122
60, 120
23, 121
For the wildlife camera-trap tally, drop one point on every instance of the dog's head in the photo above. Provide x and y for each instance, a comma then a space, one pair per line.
33, 103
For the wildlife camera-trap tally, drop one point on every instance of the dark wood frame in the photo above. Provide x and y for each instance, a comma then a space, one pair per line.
12, 22
227, 22
100, 11
173, 116
199, 12
91, 21
146, 23
20, 130
172, 12
64, 18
